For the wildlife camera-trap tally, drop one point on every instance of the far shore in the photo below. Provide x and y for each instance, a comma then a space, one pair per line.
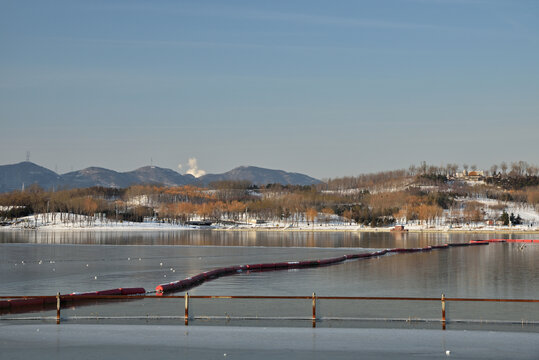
378, 230
50, 222
347, 229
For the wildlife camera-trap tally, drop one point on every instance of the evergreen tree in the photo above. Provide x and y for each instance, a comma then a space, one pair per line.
504, 218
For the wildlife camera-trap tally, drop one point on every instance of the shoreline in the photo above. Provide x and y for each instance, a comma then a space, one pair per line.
379, 230
49, 222
268, 229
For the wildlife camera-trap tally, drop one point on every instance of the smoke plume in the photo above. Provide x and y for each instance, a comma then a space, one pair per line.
193, 168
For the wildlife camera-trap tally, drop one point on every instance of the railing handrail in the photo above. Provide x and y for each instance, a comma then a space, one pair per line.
276, 297
81, 298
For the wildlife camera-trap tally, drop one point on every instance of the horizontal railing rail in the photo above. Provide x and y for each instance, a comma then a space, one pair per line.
284, 297
73, 298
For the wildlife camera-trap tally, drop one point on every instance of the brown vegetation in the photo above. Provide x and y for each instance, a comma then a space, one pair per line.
419, 193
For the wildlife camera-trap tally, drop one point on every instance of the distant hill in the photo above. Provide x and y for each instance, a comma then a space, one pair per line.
157, 175
96, 176
260, 176
12, 177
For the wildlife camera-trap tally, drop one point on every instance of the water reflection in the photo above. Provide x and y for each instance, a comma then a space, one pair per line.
244, 238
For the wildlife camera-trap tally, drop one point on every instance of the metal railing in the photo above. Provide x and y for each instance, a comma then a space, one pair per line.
63, 299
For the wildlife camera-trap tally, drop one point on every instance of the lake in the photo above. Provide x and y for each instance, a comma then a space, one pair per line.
44, 263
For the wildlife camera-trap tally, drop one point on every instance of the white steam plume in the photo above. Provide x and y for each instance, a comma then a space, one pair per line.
193, 168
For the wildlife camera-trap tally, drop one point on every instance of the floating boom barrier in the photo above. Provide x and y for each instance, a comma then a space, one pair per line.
190, 282
506, 241
25, 304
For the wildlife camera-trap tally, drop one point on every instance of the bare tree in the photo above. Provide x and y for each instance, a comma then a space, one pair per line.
523, 167
311, 214
327, 213
515, 168
423, 167
454, 168
503, 167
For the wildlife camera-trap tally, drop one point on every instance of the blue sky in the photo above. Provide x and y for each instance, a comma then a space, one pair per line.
328, 88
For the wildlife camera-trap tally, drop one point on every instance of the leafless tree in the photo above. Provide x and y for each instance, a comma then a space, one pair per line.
423, 167
515, 169
523, 167
454, 168
503, 167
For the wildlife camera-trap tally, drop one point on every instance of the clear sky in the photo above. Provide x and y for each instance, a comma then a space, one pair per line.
328, 88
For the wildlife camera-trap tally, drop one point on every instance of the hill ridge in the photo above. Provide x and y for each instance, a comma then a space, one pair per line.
13, 176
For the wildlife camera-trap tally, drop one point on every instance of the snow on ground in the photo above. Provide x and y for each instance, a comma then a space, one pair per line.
7, 208
481, 227
64, 221
528, 213
324, 222
492, 209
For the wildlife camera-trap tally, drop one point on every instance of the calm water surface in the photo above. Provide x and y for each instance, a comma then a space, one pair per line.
43, 263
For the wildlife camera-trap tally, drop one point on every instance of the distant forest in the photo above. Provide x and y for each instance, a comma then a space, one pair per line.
418, 193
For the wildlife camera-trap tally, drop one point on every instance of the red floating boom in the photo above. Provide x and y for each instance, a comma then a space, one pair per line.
200, 278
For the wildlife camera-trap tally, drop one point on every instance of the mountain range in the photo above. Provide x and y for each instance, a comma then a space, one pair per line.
15, 176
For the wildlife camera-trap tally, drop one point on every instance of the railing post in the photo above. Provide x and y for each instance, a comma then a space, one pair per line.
443, 312
186, 316
58, 308
314, 310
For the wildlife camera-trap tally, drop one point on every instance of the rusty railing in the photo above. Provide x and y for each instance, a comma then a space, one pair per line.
188, 298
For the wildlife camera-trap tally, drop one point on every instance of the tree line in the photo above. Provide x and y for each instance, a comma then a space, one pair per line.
373, 199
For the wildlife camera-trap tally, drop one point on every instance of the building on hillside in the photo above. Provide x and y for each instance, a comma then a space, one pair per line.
476, 175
